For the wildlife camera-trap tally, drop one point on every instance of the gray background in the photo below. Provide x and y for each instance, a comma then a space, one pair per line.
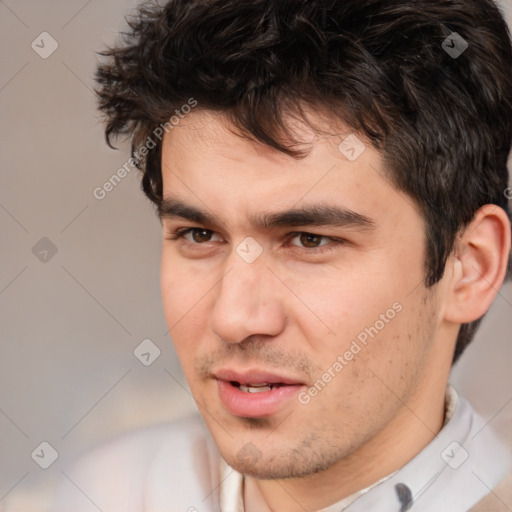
69, 322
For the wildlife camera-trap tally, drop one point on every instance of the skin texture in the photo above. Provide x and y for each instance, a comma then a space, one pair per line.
298, 307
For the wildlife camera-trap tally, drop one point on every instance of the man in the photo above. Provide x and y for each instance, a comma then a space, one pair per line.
332, 184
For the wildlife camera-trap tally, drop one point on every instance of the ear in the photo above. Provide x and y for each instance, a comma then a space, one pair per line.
479, 265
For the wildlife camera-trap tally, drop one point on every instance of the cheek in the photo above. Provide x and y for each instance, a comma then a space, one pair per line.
186, 306
383, 362
359, 336
342, 305
183, 288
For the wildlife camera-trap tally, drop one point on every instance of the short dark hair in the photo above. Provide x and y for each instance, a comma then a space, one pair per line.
441, 120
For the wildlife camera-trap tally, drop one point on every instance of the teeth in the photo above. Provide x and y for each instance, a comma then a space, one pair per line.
255, 388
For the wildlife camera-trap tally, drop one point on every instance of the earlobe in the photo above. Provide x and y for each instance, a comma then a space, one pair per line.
479, 265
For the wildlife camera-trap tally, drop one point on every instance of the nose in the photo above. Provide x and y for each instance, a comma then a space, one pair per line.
248, 302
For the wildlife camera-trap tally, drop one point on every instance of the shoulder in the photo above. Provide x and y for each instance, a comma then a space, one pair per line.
128, 472
132, 451
498, 500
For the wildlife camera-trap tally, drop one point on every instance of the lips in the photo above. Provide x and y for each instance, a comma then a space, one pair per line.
255, 393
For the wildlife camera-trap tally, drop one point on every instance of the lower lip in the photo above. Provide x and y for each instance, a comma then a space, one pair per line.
255, 405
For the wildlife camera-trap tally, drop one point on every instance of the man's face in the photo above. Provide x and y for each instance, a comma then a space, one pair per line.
300, 277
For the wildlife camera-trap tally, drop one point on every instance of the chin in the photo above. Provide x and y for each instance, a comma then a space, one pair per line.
292, 463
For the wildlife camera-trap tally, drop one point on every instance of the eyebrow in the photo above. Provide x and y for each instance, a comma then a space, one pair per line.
313, 215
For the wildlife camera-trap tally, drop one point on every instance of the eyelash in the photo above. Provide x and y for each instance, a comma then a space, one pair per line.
333, 242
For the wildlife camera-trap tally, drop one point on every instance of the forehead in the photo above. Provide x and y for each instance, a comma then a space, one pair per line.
208, 163
206, 137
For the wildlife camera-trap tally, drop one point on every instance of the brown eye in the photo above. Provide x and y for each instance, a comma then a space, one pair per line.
197, 236
310, 240
201, 235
